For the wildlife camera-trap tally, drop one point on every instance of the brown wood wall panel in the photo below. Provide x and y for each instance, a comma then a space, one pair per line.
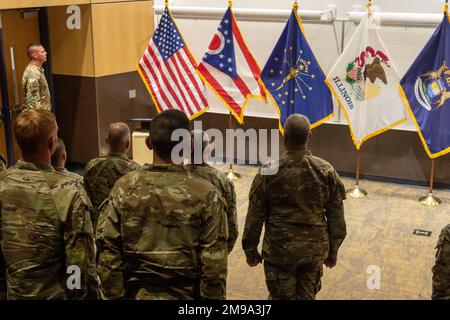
395, 154
76, 113
114, 103
121, 32
13, 4
72, 50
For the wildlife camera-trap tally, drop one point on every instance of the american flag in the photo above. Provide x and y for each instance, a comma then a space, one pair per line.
168, 70
229, 68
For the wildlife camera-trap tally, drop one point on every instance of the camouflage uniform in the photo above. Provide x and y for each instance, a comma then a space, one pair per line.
302, 209
163, 235
44, 228
226, 188
101, 174
70, 174
35, 88
441, 268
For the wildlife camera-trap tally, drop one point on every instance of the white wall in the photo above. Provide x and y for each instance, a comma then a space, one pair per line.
403, 43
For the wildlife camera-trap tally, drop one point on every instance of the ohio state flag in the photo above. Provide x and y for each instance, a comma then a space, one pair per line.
364, 81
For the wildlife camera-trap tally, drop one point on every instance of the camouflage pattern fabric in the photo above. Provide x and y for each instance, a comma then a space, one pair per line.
441, 268
70, 174
226, 188
303, 283
35, 88
45, 227
101, 174
163, 235
302, 209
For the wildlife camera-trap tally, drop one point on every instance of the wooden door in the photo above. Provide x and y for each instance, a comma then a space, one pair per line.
20, 28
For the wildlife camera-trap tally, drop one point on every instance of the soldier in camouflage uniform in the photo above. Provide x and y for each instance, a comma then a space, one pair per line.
59, 159
302, 209
45, 224
102, 172
34, 85
163, 232
441, 268
202, 169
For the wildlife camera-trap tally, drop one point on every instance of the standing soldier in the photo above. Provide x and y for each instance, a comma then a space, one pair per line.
35, 87
441, 269
45, 221
163, 232
102, 172
59, 159
302, 209
218, 179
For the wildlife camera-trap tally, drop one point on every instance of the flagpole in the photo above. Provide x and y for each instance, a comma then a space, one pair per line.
356, 192
231, 174
430, 200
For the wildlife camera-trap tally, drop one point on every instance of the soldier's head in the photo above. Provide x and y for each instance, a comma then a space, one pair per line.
36, 132
161, 129
201, 151
297, 132
59, 157
119, 138
37, 53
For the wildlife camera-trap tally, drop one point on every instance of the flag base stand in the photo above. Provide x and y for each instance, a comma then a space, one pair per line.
356, 193
233, 175
430, 201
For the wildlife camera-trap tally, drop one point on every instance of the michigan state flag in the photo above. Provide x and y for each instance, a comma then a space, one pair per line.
364, 81
426, 91
293, 78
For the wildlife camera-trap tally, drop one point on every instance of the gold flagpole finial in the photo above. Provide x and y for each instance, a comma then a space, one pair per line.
230, 3
446, 7
166, 3
295, 5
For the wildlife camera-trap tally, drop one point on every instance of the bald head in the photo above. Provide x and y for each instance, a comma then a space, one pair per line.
118, 138
297, 131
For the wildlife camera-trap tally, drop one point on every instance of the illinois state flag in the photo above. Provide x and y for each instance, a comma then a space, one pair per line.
169, 72
293, 78
426, 91
364, 81
229, 68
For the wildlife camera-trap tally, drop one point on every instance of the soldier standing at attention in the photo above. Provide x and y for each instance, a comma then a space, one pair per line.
45, 224
441, 268
163, 232
34, 85
302, 209
218, 179
102, 172
59, 159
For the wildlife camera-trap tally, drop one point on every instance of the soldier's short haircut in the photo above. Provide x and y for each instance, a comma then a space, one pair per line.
161, 129
118, 135
33, 127
31, 48
59, 152
297, 129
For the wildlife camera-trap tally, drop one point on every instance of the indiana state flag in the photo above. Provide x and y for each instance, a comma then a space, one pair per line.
426, 92
294, 79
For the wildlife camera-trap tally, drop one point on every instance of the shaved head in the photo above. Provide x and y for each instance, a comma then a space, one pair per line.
118, 137
297, 130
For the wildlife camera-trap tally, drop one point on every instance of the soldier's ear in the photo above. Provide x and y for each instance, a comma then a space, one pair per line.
148, 143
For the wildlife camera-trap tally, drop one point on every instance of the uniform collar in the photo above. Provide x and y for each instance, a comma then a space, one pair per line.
164, 167
23, 165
